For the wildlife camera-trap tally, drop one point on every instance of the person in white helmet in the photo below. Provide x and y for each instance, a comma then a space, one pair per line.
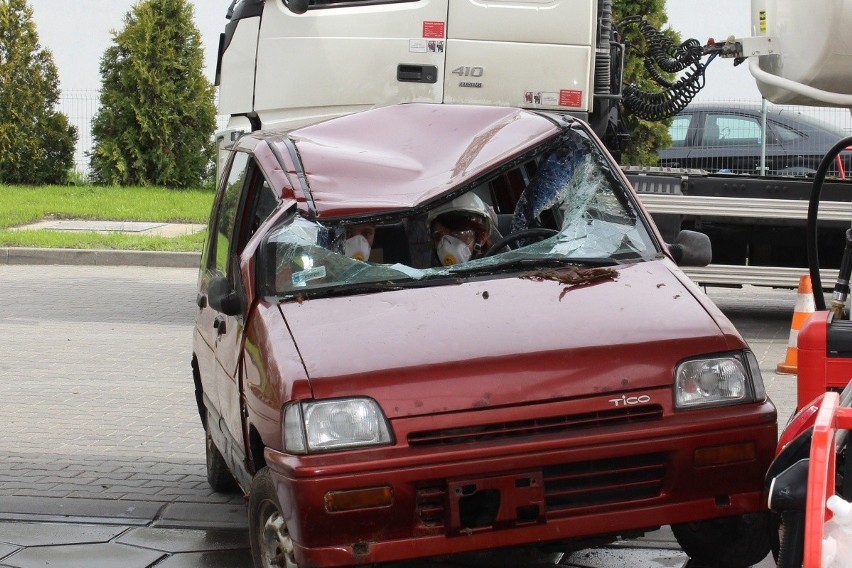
461, 229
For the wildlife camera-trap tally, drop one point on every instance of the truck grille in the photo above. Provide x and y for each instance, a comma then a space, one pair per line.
521, 428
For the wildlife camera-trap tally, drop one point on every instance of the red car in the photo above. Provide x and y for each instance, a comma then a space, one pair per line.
431, 329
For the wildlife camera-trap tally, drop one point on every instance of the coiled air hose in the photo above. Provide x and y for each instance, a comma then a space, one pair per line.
663, 53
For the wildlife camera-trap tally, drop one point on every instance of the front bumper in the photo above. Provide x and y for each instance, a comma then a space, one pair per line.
476, 496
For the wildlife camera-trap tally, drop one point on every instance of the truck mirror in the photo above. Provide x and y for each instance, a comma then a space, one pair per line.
691, 248
297, 6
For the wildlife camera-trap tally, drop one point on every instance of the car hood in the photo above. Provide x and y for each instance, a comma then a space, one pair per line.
507, 341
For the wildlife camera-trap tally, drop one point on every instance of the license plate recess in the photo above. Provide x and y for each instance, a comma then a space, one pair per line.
488, 503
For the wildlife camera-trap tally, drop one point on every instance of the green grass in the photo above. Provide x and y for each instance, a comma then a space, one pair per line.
21, 205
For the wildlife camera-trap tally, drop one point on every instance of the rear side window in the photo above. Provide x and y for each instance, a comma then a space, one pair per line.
679, 130
787, 134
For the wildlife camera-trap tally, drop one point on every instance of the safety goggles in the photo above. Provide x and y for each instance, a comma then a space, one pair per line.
466, 236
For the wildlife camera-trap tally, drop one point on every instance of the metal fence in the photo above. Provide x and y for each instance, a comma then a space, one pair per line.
757, 138
788, 131
81, 106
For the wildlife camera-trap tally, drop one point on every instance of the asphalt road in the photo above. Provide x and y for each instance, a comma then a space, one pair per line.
99, 427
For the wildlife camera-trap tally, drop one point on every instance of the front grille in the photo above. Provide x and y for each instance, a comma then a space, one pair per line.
431, 504
568, 487
538, 426
599, 482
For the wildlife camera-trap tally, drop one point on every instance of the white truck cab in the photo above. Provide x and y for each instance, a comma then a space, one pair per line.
290, 63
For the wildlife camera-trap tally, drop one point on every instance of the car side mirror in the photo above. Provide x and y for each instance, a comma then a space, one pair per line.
691, 248
788, 491
297, 6
222, 297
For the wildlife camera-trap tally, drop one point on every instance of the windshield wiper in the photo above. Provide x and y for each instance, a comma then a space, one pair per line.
350, 288
353, 288
528, 263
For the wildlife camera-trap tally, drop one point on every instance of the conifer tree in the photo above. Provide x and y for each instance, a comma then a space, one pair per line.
645, 137
157, 116
36, 141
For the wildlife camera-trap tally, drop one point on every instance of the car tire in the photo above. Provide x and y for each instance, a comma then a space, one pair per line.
734, 542
270, 541
219, 476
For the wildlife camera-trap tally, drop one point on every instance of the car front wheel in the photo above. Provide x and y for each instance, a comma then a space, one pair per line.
271, 545
218, 475
735, 542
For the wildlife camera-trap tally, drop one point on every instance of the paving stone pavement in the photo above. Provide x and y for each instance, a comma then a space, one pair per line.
101, 449
101, 443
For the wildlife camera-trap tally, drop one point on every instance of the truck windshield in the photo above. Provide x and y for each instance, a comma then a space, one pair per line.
571, 209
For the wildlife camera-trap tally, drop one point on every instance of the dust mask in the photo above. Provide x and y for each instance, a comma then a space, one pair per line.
357, 247
453, 251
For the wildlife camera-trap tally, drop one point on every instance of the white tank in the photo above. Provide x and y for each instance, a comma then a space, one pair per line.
813, 42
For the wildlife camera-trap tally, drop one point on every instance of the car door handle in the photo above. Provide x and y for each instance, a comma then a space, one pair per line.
219, 325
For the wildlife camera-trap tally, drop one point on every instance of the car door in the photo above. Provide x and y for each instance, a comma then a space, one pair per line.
244, 202
339, 57
213, 264
730, 142
508, 54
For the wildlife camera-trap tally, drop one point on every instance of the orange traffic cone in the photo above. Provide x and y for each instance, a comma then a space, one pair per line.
804, 308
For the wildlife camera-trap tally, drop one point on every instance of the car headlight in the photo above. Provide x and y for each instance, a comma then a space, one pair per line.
315, 426
730, 378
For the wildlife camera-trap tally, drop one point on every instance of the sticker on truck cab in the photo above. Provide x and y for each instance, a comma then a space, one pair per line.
569, 98
564, 98
434, 30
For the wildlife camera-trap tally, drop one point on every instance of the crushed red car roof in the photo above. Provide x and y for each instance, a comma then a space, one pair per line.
396, 157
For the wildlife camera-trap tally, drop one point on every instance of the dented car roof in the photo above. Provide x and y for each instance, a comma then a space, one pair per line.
398, 157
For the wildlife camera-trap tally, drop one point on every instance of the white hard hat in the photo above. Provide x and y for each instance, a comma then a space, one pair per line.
467, 203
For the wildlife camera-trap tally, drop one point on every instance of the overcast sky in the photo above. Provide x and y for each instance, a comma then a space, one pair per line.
78, 33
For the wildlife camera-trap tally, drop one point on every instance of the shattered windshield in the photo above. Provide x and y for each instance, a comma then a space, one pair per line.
560, 205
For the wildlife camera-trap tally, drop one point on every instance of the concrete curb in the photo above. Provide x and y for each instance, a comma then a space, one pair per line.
100, 257
196, 516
